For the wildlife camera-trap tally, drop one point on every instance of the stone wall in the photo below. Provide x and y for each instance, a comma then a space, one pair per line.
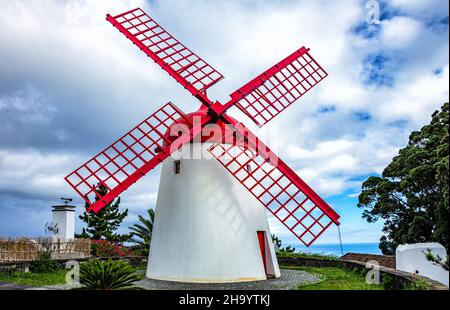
383, 260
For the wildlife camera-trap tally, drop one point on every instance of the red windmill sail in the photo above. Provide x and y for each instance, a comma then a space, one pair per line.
271, 181
174, 57
274, 184
129, 158
275, 89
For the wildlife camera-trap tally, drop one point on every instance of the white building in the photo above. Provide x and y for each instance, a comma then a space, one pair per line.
411, 258
64, 218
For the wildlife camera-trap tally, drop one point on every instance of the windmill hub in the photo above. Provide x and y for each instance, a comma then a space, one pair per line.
216, 126
210, 219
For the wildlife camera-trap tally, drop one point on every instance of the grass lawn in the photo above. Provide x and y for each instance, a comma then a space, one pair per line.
35, 279
336, 278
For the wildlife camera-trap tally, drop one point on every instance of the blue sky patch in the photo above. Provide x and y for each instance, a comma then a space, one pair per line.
437, 71
365, 30
387, 11
438, 23
362, 116
401, 123
326, 109
378, 70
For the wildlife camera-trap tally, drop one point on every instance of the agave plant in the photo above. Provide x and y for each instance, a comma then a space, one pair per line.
142, 233
107, 275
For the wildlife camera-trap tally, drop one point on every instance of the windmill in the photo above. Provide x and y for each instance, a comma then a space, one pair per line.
209, 222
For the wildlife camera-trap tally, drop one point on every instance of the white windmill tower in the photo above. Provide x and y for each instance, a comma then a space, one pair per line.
208, 227
210, 223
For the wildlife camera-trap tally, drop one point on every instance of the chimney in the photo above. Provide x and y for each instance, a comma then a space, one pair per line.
64, 218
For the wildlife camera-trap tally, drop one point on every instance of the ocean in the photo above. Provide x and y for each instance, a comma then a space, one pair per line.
335, 248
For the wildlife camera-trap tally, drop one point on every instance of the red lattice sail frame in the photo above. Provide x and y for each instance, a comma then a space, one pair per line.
128, 159
275, 185
179, 61
274, 90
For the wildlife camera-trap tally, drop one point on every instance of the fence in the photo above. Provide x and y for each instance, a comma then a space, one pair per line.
27, 249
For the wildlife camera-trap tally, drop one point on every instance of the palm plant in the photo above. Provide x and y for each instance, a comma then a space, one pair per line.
142, 233
277, 244
107, 275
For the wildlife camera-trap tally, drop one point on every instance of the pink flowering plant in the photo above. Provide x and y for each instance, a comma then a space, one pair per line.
104, 248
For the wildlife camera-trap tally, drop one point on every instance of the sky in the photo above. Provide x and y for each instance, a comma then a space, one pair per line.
71, 84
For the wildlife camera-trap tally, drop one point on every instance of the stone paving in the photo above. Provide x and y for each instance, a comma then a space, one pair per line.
289, 279
15, 286
57, 287
12, 286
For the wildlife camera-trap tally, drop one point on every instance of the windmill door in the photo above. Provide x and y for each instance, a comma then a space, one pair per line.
262, 247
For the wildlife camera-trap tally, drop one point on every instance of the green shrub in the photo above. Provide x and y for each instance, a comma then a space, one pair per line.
419, 284
138, 250
356, 270
364, 271
107, 274
44, 264
389, 282
307, 255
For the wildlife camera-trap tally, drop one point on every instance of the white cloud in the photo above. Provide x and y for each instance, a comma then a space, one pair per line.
34, 180
414, 99
400, 32
32, 173
26, 106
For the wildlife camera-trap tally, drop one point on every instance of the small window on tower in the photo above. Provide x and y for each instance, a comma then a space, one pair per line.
176, 167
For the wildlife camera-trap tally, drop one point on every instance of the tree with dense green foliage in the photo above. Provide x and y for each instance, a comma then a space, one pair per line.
104, 224
411, 195
141, 233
